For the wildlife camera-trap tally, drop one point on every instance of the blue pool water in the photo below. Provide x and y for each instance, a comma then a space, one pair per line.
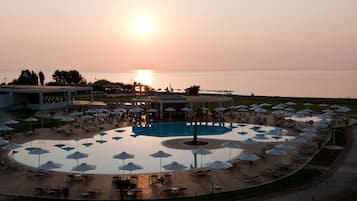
141, 142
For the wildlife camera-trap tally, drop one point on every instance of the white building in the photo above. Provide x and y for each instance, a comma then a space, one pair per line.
39, 97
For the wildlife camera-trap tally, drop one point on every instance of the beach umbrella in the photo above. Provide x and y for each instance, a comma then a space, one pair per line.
285, 146
308, 134
279, 107
279, 112
67, 119
219, 109
298, 139
77, 155
343, 109
11, 122
276, 131
242, 107
308, 104
289, 109
275, 152
201, 152
6, 128
11, 146
90, 111
31, 120
100, 115
334, 106
219, 165
123, 156
186, 109
130, 167
260, 110
249, 141
260, 136
3, 142
136, 109
309, 130
83, 167
87, 116
39, 152
170, 110
50, 165
327, 111
290, 103
151, 110
76, 113
265, 105
160, 154
248, 157
57, 117
323, 105
174, 166
230, 145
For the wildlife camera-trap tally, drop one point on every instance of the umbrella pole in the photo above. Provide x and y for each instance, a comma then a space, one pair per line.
201, 161
160, 167
230, 158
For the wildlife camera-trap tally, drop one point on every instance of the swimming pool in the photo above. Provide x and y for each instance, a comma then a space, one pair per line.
140, 141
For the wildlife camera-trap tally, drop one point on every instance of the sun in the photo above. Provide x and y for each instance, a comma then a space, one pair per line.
143, 77
143, 26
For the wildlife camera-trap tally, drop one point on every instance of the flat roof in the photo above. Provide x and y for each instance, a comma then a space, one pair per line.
36, 89
182, 99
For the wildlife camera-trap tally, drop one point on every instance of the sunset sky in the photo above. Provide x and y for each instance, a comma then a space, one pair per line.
115, 35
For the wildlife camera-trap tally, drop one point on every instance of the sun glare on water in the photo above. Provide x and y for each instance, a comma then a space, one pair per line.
143, 77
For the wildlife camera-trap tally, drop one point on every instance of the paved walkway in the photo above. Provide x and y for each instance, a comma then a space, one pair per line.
343, 178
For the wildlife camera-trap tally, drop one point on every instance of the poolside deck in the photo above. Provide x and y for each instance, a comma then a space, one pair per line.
25, 181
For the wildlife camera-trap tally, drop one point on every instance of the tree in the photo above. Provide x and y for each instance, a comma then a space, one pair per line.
41, 76
193, 90
65, 78
26, 77
198, 115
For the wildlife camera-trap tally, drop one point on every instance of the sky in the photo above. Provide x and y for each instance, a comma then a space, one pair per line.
98, 35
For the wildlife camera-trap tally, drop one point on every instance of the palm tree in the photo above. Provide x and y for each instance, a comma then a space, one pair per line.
198, 114
41, 76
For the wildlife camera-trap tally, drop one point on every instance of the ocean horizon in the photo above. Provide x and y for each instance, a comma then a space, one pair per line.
290, 83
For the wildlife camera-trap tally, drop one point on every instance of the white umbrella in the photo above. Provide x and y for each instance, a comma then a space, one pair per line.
260, 110
130, 167
11, 122
87, 116
201, 152
83, 167
275, 152
249, 141
39, 152
334, 106
308, 135
170, 110
160, 154
151, 110
49, 165
67, 119
136, 110
290, 103
298, 139
174, 166
323, 105
219, 165
279, 107
186, 109
248, 157
11, 146
265, 105
123, 156
76, 113
219, 109
6, 128
230, 145
30, 119
57, 117
3, 142
285, 146
308, 104
77, 155
242, 107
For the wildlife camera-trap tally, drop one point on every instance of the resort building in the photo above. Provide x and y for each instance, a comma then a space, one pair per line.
176, 102
39, 97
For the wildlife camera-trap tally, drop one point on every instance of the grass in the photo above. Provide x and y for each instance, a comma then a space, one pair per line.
25, 126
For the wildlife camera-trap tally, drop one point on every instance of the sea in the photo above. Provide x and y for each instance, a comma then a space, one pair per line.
291, 83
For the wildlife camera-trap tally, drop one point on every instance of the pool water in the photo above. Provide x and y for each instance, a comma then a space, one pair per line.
140, 141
